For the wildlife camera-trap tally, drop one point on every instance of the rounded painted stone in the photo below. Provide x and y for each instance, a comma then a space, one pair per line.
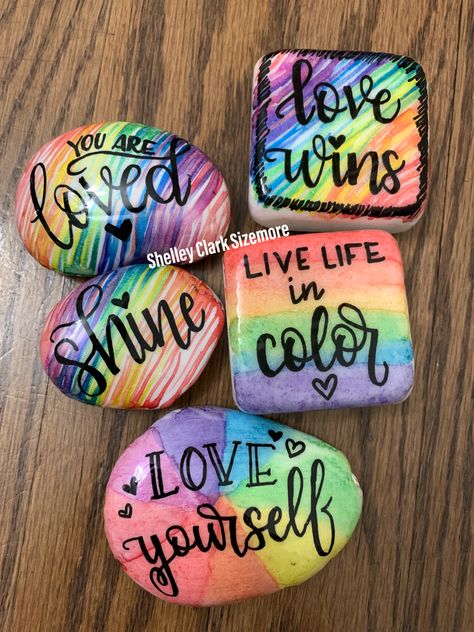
106, 195
132, 338
212, 505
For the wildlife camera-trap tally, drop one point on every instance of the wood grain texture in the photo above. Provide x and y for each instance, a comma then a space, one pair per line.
187, 67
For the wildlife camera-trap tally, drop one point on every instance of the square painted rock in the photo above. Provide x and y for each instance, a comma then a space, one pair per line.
318, 321
339, 141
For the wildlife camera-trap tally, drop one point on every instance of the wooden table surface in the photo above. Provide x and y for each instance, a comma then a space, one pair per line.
187, 67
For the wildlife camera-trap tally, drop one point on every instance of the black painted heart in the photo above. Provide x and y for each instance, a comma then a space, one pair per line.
294, 448
122, 231
326, 387
275, 435
122, 301
132, 488
336, 141
126, 512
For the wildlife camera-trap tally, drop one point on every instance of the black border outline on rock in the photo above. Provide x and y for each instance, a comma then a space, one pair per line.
260, 131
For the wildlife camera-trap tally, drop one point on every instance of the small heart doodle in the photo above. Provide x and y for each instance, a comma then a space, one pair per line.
121, 232
122, 301
336, 141
132, 488
276, 435
294, 448
325, 387
126, 512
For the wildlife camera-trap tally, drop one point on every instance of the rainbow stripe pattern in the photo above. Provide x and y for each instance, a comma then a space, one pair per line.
318, 321
132, 338
192, 533
105, 195
339, 141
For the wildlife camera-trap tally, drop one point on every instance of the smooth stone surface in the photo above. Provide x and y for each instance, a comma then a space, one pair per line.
318, 321
211, 505
132, 338
105, 195
339, 141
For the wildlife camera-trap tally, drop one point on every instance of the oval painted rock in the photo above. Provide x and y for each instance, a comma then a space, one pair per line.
106, 195
132, 338
212, 505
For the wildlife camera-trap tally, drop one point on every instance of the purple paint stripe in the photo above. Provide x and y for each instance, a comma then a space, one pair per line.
194, 427
292, 392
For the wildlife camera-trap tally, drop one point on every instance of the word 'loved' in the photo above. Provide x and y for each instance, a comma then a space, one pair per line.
96, 185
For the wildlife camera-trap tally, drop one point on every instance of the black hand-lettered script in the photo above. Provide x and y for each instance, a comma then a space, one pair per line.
325, 103
140, 338
341, 342
222, 531
162, 183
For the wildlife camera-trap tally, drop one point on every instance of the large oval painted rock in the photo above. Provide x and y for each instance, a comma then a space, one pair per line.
212, 505
132, 338
106, 195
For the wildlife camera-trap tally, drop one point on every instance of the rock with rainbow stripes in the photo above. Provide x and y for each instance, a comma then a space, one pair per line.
103, 196
339, 141
318, 321
211, 506
132, 338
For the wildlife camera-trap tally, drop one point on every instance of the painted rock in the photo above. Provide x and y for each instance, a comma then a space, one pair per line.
106, 195
132, 338
318, 321
212, 505
339, 141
